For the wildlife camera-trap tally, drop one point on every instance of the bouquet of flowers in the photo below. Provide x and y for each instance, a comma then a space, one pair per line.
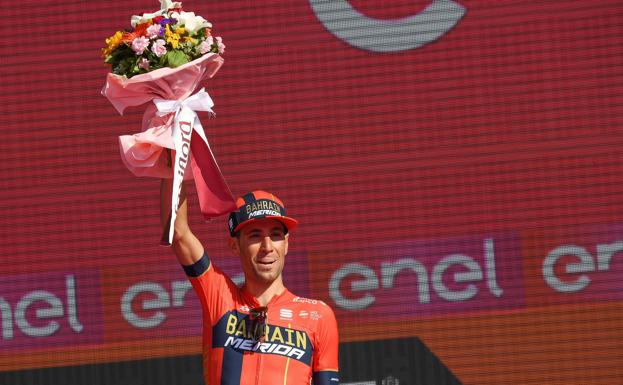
167, 38
163, 59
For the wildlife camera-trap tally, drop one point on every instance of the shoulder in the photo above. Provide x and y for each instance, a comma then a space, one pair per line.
207, 278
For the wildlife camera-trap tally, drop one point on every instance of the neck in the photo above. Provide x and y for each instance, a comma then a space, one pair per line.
264, 292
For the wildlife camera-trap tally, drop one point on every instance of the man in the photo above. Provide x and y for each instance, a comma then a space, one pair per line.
260, 334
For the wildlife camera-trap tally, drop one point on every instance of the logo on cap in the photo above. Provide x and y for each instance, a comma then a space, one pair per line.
263, 208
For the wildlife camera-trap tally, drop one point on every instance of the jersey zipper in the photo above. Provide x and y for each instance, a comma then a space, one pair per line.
258, 373
285, 372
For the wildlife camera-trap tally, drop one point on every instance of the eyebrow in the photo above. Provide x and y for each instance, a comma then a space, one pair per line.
257, 230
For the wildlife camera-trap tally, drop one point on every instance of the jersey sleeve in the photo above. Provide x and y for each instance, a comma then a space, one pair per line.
325, 362
214, 289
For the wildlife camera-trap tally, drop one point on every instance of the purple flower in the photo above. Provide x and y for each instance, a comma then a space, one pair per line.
166, 21
139, 44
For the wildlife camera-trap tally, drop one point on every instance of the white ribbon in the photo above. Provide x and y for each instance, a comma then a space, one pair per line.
200, 101
186, 121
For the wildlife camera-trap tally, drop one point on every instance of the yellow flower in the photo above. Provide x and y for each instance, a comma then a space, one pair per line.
180, 30
113, 42
172, 38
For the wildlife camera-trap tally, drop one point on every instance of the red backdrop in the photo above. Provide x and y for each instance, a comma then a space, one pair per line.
467, 191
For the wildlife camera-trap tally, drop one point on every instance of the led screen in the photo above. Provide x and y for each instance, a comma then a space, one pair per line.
455, 167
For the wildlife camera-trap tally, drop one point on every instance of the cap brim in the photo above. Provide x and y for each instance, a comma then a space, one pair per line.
289, 223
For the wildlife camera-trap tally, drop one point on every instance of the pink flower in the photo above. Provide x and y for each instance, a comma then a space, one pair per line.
139, 44
158, 47
153, 30
143, 63
205, 46
221, 46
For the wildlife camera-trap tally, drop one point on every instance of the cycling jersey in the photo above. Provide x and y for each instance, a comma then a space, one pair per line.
299, 343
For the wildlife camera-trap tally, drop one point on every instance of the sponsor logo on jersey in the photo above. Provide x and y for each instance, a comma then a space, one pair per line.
315, 315
235, 331
305, 300
285, 314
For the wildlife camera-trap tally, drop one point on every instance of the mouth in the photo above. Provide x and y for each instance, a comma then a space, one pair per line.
265, 263
265, 266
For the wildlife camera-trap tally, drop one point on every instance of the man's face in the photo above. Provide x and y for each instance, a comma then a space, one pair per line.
262, 246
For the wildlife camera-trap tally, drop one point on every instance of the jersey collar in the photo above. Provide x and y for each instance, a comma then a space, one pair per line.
283, 297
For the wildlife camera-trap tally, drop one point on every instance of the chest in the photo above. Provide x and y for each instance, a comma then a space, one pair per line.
278, 350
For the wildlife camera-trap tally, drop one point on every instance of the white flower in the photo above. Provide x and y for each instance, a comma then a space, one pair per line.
191, 22
136, 19
167, 4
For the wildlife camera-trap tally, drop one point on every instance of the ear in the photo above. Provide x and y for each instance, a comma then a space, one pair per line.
286, 244
234, 246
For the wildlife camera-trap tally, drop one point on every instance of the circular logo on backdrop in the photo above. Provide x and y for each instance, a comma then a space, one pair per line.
376, 35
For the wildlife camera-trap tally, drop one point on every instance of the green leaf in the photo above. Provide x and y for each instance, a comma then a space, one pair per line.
175, 58
126, 66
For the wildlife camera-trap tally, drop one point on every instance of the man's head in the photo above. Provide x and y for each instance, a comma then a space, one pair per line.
259, 236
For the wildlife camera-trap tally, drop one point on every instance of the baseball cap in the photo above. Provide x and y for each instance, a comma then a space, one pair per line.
256, 205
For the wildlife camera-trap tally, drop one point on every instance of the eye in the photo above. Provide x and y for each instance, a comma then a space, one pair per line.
277, 233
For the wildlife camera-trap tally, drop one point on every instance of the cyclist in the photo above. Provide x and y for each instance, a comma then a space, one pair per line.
261, 333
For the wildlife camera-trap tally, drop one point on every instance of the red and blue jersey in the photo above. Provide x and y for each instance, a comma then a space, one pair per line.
299, 343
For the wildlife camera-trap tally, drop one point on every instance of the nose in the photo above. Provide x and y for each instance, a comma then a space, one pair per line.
267, 245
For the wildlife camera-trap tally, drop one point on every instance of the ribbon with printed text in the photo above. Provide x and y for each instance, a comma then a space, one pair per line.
212, 190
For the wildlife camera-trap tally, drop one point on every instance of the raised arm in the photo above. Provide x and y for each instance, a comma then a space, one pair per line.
186, 246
